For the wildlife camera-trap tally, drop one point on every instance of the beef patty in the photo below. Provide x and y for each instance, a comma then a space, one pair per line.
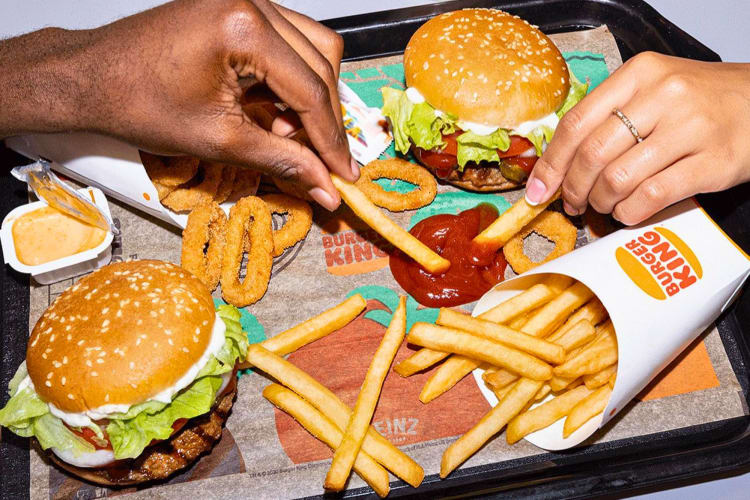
167, 457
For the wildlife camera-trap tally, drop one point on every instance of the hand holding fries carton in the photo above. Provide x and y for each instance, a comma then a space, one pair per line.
663, 282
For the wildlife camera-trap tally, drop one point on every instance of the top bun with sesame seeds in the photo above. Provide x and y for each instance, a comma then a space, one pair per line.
486, 66
120, 336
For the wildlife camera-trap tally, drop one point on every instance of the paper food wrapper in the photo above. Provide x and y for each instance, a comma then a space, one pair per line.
663, 282
115, 167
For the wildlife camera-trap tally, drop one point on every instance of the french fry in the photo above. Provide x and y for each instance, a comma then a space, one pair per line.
612, 380
420, 360
499, 378
600, 378
330, 405
576, 336
501, 393
600, 354
517, 323
446, 376
314, 328
545, 414
490, 369
542, 392
586, 409
593, 310
346, 453
540, 348
491, 423
385, 227
479, 348
531, 298
554, 312
323, 429
558, 384
510, 223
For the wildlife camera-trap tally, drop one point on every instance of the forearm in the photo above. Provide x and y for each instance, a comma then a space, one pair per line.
46, 82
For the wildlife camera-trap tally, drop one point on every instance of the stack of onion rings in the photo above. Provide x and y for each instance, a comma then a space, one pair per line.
551, 225
249, 225
298, 221
187, 196
206, 225
397, 169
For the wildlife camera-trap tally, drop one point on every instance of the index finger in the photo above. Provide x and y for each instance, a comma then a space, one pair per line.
324, 67
574, 127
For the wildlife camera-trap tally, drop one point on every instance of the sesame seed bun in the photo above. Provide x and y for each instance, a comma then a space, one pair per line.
120, 335
486, 66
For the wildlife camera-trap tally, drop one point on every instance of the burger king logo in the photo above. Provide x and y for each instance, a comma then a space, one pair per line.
350, 248
660, 263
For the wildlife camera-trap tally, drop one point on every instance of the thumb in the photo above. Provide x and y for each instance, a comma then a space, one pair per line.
544, 180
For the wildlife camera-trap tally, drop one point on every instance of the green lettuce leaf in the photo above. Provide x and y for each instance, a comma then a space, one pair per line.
476, 148
52, 433
538, 135
17, 379
397, 108
130, 437
418, 122
21, 411
577, 92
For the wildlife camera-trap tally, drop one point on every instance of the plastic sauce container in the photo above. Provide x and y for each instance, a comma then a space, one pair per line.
65, 267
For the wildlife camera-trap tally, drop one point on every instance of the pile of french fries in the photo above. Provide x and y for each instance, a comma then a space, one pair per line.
357, 446
553, 338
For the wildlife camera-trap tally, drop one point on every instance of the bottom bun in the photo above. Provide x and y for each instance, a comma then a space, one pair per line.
162, 460
479, 178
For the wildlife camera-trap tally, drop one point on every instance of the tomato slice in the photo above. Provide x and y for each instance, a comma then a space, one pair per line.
526, 163
451, 146
518, 145
91, 438
441, 162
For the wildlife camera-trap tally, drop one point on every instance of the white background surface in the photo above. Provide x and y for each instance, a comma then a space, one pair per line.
722, 25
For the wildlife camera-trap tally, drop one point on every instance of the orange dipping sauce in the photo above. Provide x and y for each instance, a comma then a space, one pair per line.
450, 236
46, 234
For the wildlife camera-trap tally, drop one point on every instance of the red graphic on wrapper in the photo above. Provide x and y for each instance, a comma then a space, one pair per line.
340, 360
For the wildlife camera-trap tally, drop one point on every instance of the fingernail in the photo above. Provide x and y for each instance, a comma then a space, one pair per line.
355, 169
535, 191
569, 209
323, 198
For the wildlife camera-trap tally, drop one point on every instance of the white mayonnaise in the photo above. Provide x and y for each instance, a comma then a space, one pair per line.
551, 120
84, 419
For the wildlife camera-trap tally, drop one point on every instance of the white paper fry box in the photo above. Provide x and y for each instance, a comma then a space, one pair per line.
663, 282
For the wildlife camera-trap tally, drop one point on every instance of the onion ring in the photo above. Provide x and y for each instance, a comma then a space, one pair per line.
206, 225
246, 183
161, 190
169, 171
228, 175
397, 169
190, 195
249, 219
298, 222
551, 225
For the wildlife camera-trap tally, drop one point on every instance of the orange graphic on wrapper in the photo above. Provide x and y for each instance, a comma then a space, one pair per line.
660, 263
350, 247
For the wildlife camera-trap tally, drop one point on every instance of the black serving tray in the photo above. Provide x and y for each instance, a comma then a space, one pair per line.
607, 469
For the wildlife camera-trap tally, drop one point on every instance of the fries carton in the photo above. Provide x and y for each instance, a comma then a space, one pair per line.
115, 167
663, 282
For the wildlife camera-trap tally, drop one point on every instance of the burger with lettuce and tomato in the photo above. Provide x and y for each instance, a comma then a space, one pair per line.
485, 92
129, 374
